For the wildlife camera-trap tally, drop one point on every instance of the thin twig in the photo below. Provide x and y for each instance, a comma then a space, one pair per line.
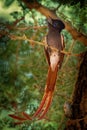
70, 50
30, 27
24, 37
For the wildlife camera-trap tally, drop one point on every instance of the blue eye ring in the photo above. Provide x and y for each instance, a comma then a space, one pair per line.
55, 24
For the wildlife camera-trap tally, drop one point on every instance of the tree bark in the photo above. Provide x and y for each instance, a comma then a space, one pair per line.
78, 121
49, 13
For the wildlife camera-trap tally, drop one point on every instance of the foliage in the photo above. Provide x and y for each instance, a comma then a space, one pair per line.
23, 68
72, 2
76, 18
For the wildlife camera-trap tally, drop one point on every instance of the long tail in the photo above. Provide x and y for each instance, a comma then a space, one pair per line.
49, 90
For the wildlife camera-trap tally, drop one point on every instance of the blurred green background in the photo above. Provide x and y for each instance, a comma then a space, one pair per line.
23, 66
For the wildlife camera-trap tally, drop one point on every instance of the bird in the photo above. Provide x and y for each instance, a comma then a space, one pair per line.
55, 44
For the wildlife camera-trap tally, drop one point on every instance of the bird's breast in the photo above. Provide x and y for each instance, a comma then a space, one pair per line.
54, 40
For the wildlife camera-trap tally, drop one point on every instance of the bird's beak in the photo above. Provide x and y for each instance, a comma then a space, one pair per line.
49, 20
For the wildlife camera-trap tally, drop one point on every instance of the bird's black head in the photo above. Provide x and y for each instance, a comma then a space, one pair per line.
56, 23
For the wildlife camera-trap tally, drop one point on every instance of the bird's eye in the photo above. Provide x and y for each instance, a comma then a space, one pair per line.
55, 24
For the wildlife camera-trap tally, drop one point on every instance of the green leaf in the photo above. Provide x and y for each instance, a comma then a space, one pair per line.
8, 2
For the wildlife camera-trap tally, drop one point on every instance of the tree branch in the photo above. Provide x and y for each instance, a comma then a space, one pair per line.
49, 13
24, 37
